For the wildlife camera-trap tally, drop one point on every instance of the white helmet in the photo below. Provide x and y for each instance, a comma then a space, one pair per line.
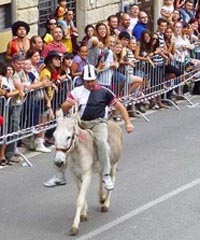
89, 73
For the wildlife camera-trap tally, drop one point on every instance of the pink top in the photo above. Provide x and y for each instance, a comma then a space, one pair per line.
53, 46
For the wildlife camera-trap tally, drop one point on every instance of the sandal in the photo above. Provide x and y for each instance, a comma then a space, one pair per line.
3, 162
9, 163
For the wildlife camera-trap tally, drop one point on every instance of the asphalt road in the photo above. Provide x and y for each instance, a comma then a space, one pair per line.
156, 196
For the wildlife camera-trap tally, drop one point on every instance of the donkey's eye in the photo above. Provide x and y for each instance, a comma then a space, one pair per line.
68, 138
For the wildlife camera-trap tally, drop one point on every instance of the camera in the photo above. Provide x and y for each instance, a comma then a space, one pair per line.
6, 88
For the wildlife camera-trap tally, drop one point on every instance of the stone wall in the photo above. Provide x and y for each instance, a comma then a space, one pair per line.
92, 11
27, 11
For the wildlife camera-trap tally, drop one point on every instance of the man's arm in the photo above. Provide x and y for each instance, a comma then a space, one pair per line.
128, 125
67, 105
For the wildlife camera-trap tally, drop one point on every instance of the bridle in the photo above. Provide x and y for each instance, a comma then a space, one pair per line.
71, 146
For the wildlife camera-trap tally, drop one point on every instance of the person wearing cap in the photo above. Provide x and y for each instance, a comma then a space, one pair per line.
20, 42
92, 100
52, 73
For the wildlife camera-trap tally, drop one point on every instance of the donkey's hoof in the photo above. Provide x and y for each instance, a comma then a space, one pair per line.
84, 218
104, 209
102, 199
73, 231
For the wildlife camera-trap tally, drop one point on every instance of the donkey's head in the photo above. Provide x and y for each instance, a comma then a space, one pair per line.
65, 136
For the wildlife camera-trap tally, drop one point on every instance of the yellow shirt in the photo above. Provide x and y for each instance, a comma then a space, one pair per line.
44, 75
48, 38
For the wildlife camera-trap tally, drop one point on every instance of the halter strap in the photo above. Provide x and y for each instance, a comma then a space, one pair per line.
71, 146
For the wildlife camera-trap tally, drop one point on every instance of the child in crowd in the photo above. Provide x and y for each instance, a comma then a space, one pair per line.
167, 9
61, 10
127, 61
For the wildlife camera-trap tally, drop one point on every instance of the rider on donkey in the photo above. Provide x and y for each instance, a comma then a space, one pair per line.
92, 100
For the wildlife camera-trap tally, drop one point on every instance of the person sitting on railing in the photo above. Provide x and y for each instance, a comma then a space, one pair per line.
119, 78
107, 64
128, 61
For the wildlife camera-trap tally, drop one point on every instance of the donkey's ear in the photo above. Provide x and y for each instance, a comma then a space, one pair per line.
59, 114
76, 117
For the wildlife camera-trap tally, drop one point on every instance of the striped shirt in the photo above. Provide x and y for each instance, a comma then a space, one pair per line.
92, 104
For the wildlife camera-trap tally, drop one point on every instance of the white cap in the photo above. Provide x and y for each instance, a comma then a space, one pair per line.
89, 73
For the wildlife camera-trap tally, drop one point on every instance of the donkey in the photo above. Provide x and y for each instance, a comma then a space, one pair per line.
76, 148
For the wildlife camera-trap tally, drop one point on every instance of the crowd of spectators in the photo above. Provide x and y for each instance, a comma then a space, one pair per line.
112, 46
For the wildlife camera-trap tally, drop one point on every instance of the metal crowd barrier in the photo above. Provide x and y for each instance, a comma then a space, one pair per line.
155, 82
26, 117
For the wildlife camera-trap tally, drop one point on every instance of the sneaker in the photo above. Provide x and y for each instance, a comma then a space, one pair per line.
43, 149
155, 107
39, 146
54, 181
108, 183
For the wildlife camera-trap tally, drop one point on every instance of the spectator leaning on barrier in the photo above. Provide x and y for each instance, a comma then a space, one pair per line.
92, 100
56, 44
17, 98
8, 90
20, 42
36, 60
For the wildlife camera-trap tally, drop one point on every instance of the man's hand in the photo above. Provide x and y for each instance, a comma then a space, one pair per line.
129, 127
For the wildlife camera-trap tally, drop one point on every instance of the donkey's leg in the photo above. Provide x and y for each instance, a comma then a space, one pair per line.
83, 216
101, 193
86, 178
105, 206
